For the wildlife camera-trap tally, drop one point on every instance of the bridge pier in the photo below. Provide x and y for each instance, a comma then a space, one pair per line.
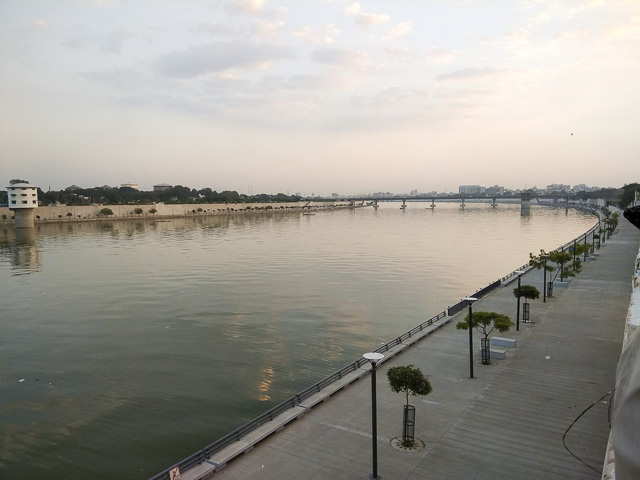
375, 204
433, 204
525, 204
462, 203
404, 204
493, 202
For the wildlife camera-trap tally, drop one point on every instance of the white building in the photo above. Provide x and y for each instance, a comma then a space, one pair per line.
23, 200
130, 185
558, 187
470, 189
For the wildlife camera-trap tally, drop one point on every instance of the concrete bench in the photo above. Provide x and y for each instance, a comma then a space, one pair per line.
496, 353
503, 342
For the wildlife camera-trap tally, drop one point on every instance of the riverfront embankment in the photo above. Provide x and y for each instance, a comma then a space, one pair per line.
84, 213
515, 419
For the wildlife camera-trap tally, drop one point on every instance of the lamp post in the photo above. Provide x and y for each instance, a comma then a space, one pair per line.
519, 272
470, 301
544, 281
374, 358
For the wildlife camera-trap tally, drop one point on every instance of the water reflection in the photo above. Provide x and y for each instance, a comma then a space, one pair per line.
20, 247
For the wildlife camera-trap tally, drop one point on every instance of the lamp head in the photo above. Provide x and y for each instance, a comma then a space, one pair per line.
373, 357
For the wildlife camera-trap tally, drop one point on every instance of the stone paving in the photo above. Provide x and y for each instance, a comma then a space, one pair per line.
507, 422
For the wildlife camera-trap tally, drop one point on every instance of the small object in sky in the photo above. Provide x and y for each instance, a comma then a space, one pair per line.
572, 134
21, 380
548, 357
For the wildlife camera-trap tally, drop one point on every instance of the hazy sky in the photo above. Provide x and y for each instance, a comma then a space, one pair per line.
320, 96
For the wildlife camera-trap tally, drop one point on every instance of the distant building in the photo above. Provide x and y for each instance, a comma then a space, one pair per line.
71, 188
335, 195
23, 200
22, 195
161, 187
471, 190
558, 187
130, 185
495, 190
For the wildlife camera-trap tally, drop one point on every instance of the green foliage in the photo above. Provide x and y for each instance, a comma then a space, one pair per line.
153, 211
106, 211
527, 291
69, 214
138, 211
176, 194
628, 195
409, 380
486, 323
13, 181
537, 261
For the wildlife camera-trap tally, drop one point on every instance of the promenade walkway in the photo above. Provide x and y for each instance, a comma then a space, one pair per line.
508, 422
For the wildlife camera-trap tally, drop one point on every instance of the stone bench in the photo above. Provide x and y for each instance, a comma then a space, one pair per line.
496, 353
503, 342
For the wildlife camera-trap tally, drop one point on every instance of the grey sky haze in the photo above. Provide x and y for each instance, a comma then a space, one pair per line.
320, 96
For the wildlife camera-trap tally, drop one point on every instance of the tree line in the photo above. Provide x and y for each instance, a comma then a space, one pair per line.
127, 195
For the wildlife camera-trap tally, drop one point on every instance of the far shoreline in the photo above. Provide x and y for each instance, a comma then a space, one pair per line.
91, 213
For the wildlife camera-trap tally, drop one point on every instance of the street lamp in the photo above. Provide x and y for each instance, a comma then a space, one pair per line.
374, 358
470, 301
519, 272
544, 281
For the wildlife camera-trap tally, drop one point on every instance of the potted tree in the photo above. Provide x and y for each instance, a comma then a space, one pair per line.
486, 323
409, 380
528, 292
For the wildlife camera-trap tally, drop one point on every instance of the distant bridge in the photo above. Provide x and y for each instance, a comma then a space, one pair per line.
523, 198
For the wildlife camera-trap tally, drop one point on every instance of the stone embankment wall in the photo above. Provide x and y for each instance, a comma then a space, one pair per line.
92, 212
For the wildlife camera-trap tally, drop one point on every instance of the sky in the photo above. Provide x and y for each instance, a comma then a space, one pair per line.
320, 96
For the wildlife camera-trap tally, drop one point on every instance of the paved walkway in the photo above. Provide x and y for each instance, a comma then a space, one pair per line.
508, 422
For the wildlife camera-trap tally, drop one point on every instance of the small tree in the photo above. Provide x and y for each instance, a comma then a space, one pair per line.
529, 292
4, 217
486, 323
409, 380
138, 211
106, 211
69, 215
153, 211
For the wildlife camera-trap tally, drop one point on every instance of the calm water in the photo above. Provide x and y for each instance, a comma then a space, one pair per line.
141, 342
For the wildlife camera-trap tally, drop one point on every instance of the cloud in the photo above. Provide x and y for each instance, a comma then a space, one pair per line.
40, 23
253, 7
247, 7
220, 29
265, 29
365, 19
307, 34
399, 29
115, 41
340, 57
473, 74
442, 55
400, 55
218, 57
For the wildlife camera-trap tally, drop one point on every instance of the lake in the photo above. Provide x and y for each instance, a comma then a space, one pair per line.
129, 345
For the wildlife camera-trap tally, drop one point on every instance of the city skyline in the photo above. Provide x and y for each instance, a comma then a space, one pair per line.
329, 96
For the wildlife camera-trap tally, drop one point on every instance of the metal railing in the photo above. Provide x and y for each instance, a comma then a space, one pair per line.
296, 400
